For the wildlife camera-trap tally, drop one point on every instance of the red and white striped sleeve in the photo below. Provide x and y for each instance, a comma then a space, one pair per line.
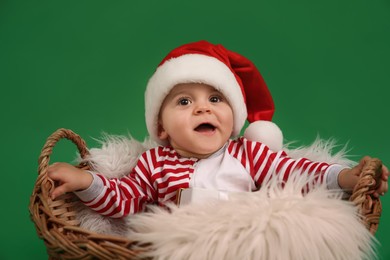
263, 163
118, 197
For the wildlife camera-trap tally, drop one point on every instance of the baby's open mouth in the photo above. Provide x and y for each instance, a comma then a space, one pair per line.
205, 127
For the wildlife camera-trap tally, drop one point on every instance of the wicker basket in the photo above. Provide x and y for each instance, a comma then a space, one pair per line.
56, 224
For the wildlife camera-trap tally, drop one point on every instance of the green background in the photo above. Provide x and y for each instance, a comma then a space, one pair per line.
83, 65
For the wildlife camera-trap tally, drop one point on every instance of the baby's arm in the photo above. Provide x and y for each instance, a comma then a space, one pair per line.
348, 178
69, 177
336, 175
118, 197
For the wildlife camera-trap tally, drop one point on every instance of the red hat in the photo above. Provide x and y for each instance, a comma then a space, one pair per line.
230, 73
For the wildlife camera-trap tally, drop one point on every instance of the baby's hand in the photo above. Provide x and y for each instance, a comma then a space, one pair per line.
348, 178
69, 177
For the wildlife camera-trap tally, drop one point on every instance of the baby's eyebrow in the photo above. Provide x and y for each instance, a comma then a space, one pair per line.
217, 93
179, 92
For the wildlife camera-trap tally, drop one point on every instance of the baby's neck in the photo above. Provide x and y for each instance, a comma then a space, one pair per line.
188, 154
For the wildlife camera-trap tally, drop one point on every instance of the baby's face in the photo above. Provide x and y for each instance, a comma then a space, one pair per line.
196, 119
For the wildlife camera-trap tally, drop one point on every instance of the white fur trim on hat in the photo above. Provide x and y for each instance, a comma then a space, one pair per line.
192, 68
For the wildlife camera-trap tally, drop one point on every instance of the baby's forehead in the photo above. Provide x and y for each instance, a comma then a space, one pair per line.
183, 87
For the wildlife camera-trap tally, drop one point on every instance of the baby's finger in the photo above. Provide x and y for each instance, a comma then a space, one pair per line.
53, 174
54, 166
383, 188
385, 173
58, 191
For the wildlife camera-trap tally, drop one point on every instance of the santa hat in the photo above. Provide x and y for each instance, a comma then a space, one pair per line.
236, 77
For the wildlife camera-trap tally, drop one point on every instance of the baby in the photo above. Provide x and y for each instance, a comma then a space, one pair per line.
197, 102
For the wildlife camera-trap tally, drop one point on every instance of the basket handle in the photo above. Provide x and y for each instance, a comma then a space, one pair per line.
369, 207
44, 158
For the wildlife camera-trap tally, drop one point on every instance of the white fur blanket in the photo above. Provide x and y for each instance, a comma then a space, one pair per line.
272, 223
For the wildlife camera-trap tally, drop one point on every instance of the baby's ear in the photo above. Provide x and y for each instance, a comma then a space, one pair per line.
161, 133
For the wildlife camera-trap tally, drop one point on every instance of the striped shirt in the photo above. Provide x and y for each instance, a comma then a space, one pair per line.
160, 172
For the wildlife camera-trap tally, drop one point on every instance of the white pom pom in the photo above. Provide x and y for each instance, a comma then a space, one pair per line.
265, 132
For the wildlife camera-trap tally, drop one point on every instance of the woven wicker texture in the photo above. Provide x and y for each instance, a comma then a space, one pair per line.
56, 224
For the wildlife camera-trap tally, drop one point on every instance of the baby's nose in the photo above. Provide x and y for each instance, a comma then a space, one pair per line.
204, 108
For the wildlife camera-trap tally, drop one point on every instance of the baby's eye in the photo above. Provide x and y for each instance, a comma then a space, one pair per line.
215, 99
184, 101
